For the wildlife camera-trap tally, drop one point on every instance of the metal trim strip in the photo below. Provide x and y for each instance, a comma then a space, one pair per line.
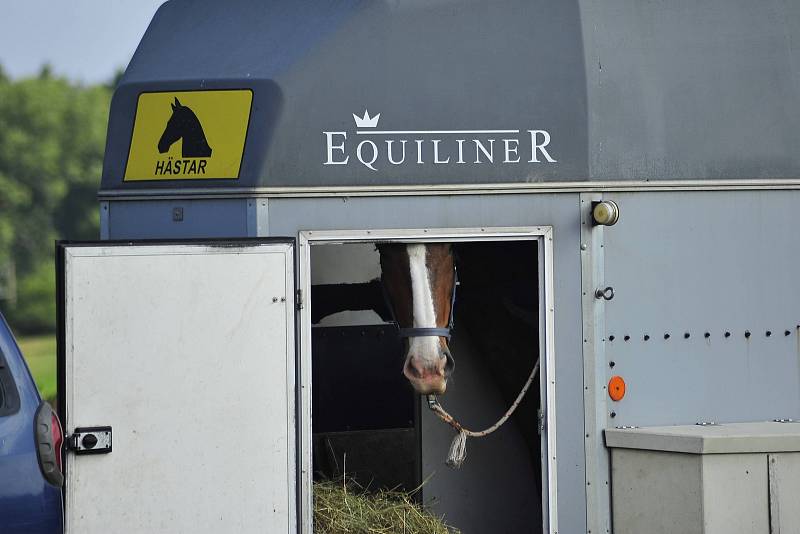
454, 189
597, 477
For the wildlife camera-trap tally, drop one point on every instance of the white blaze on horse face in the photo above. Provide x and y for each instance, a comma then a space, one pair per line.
424, 315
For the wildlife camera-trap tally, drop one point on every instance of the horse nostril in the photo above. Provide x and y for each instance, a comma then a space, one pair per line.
414, 369
449, 364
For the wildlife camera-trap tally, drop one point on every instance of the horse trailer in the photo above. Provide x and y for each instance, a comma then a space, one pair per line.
618, 184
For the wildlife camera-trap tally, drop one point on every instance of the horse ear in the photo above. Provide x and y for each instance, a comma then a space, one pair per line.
177, 103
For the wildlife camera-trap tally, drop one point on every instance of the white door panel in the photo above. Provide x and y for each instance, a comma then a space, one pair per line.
187, 352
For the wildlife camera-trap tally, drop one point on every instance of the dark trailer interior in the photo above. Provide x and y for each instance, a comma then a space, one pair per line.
369, 424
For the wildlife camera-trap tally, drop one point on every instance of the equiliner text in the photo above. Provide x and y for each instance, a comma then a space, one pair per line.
376, 149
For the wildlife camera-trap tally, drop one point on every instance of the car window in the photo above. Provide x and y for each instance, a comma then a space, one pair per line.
9, 398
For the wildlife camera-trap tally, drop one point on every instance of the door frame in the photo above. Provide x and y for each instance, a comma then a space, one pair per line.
542, 234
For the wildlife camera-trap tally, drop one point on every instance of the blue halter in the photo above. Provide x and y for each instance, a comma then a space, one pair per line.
426, 331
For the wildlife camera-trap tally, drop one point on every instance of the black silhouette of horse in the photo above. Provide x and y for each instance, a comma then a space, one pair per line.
184, 124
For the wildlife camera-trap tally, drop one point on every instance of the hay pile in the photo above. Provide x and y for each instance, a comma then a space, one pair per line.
341, 508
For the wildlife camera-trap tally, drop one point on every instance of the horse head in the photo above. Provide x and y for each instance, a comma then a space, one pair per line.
174, 128
184, 124
420, 283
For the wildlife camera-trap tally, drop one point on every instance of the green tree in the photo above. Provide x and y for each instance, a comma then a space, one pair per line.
52, 136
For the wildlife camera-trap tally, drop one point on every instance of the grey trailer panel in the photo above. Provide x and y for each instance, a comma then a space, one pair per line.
424, 66
177, 219
692, 90
697, 264
289, 216
627, 90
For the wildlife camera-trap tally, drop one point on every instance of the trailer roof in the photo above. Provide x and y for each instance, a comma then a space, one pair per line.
469, 92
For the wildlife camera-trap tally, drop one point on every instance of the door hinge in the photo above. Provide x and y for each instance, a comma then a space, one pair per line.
299, 299
90, 440
541, 425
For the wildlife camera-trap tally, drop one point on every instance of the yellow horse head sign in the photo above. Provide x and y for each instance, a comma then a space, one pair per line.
189, 135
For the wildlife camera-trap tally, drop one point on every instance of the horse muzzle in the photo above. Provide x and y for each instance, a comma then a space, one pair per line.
429, 378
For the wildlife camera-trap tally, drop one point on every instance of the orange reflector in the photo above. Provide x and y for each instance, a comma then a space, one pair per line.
616, 388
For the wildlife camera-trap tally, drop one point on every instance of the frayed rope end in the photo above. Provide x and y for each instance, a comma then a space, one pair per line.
458, 450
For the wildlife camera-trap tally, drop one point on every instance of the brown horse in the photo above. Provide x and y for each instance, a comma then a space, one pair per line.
419, 280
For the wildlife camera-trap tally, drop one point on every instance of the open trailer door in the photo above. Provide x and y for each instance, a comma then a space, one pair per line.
177, 386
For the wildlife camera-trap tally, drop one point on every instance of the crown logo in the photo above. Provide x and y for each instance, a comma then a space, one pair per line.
366, 121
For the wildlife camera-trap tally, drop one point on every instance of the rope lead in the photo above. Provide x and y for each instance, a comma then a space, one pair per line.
458, 448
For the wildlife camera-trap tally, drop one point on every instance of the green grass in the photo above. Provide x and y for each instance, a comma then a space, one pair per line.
40, 353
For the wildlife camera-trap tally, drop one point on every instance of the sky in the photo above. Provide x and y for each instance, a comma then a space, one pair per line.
84, 40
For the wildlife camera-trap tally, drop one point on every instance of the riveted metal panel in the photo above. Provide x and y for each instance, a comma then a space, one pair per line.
706, 313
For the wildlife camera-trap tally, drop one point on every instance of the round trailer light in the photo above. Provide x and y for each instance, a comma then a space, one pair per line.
616, 388
605, 213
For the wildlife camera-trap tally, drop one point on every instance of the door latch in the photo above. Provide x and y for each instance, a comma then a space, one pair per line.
605, 293
90, 440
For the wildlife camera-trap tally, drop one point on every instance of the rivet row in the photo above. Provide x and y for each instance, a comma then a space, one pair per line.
687, 335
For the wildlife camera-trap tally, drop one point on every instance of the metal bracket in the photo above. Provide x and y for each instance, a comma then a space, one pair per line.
90, 440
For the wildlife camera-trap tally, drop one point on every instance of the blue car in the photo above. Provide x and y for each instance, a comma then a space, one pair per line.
31, 442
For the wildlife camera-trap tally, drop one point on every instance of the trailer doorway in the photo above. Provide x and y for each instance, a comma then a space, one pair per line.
508, 483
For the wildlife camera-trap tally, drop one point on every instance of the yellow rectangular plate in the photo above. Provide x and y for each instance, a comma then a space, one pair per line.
189, 135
